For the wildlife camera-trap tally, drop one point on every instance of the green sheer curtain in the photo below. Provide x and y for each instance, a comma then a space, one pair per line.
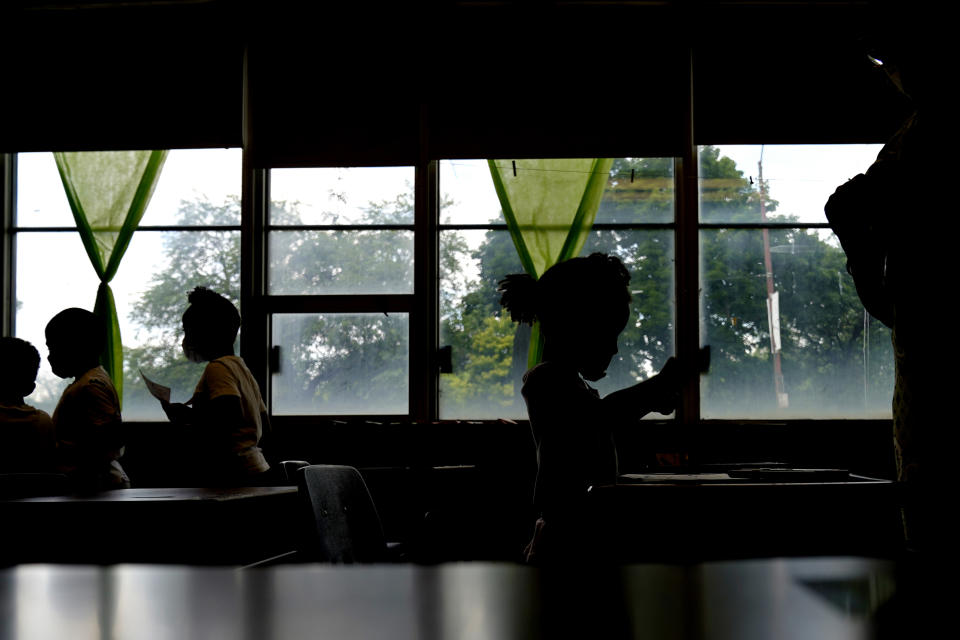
108, 192
549, 206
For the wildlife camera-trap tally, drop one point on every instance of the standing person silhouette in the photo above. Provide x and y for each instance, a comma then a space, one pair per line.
228, 416
897, 225
87, 420
582, 305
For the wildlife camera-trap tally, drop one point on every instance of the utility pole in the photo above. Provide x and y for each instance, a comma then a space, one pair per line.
773, 299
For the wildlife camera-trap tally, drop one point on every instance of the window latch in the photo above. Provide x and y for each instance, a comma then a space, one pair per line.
445, 359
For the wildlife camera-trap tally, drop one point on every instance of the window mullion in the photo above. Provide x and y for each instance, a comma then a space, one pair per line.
424, 316
253, 266
8, 188
687, 260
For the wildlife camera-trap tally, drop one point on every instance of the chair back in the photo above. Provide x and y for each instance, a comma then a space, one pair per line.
290, 469
343, 524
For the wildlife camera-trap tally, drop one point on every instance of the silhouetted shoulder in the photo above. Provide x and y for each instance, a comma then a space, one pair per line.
226, 376
90, 400
28, 439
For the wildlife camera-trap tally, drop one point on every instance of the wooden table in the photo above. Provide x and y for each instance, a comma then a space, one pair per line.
189, 525
781, 599
695, 517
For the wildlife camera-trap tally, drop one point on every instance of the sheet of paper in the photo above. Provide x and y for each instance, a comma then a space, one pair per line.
157, 390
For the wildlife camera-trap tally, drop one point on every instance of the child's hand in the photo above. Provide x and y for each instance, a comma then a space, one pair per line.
668, 383
177, 412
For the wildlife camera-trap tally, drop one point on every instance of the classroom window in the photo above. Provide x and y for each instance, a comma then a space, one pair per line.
634, 220
341, 239
789, 336
341, 363
188, 236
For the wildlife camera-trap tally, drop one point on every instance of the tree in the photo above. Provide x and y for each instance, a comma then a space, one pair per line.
330, 363
823, 327
822, 320
194, 258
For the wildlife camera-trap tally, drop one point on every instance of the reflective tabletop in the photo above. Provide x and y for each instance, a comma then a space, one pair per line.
766, 598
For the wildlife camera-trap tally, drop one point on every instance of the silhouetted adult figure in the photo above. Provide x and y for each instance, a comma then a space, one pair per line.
87, 420
582, 305
897, 225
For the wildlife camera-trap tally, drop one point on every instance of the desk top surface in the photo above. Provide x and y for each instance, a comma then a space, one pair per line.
170, 494
750, 477
770, 598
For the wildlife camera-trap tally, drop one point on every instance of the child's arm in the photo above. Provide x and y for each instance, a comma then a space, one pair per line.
178, 412
221, 411
661, 393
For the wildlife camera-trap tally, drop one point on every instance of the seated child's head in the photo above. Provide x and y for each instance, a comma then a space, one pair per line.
75, 340
582, 305
210, 326
21, 361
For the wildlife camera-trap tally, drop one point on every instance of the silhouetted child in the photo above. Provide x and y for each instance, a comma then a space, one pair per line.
87, 419
582, 305
27, 442
228, 417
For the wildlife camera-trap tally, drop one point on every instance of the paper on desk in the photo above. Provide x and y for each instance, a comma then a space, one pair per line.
157, 390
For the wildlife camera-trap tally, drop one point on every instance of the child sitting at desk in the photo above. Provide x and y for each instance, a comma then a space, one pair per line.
27, 432
582, 305
228, 416
87, 419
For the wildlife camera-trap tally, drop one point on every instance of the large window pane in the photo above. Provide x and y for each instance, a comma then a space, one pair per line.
53, 273
648, 339
188, 175
198, 187
798, 179
159, 268
341, 363
468, 193
169, 265
41, 201
340, 262
209, 176
340, 196
485, 382
639, 190
490, 351
834, 360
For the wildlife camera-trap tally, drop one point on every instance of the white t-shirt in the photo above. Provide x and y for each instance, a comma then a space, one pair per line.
229, 376
89, 431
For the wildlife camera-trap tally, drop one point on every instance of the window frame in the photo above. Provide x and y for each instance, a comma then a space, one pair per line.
423, 303
670, 226
12, 231
264, 305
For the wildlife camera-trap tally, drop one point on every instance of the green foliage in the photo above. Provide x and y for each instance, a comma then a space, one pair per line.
343, 262
822, 320
318, 351
194, 258
823, 327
